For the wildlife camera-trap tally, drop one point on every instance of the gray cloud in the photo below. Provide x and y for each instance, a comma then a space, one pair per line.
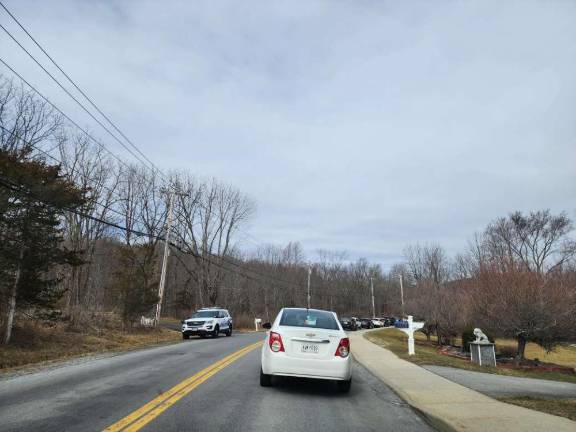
359, 126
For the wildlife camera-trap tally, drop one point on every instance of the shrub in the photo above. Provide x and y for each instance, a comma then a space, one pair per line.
468, 336
507, 351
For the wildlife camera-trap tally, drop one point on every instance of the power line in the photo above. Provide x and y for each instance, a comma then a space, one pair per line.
70, 94
102, 146
204, 256
77, 87
14, 187
48, 155
222, 259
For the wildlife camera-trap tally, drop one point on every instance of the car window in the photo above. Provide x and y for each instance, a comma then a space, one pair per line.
309, 318
206, 314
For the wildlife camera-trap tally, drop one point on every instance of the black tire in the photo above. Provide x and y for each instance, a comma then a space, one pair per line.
229, 331
265, 380
344, 386
185, 336
216, 332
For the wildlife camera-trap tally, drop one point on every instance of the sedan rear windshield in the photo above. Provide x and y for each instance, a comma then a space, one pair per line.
309, 318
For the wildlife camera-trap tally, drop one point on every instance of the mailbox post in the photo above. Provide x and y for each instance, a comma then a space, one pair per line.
409, 327
256, 322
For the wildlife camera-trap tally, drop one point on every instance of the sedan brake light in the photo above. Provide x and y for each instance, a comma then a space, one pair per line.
343, 348
275, 342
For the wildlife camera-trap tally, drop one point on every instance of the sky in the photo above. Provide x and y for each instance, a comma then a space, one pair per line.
359, 126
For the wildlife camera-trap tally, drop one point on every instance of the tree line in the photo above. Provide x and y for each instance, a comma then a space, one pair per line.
516, 280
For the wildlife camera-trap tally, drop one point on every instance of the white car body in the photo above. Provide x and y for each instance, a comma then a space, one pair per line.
377, 322
308, 352
207, 321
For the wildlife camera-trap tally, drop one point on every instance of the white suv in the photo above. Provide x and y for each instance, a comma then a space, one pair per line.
207, 321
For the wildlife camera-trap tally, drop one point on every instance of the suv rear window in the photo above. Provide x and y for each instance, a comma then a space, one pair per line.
309, 318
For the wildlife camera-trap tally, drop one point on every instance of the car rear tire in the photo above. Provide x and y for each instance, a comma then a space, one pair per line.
216, 332
185, 336
344, 386
265, 380
229, 331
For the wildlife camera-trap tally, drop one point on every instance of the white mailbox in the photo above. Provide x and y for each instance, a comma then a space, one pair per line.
256, 322
409, 328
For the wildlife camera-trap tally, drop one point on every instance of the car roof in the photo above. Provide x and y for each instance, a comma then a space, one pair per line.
317, 310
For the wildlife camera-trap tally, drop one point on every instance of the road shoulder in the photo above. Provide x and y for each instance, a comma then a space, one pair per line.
447, 405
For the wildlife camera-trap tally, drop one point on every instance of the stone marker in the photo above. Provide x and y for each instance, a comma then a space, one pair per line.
482, 350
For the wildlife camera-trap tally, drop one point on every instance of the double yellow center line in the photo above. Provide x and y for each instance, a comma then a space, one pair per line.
144, 415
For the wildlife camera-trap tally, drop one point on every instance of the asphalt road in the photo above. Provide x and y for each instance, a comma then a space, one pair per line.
91, 395
506, 386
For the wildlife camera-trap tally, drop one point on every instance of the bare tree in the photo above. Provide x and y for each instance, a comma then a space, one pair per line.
539, 240
26, 122
430, 271
520, 278
92, 171
209, 215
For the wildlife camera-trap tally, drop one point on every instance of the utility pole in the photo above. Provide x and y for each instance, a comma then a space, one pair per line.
309, 274
164, 259
402, 295
372, 289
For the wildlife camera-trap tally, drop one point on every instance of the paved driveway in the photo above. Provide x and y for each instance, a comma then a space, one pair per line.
505, 386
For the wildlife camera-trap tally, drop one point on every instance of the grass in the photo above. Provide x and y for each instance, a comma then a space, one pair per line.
427, 354
563, 355
559, 407
33, 344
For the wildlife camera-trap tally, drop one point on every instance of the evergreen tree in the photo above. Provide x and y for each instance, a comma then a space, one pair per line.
33, 198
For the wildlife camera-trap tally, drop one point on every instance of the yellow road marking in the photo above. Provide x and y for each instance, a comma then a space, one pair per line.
148, 412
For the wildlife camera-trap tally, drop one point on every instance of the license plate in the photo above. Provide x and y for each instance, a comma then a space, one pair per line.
310, 348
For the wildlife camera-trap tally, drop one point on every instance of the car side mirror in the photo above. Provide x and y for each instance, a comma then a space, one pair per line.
267, 326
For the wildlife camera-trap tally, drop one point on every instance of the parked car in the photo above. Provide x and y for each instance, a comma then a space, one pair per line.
387, 321
207, 322
377, 322
306, 343
348, 324
358, 323
367, 323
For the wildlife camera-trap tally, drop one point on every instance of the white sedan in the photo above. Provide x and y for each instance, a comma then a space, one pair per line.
307, 343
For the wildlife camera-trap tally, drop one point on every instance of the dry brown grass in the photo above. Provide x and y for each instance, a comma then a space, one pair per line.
35, 343
559, 407
564, 355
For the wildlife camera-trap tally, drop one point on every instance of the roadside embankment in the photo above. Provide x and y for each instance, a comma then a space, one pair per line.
34, 344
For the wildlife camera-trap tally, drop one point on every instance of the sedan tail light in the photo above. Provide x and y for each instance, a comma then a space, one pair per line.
343, 348
275, 342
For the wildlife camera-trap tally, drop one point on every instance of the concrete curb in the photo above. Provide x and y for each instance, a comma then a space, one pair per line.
446, 405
